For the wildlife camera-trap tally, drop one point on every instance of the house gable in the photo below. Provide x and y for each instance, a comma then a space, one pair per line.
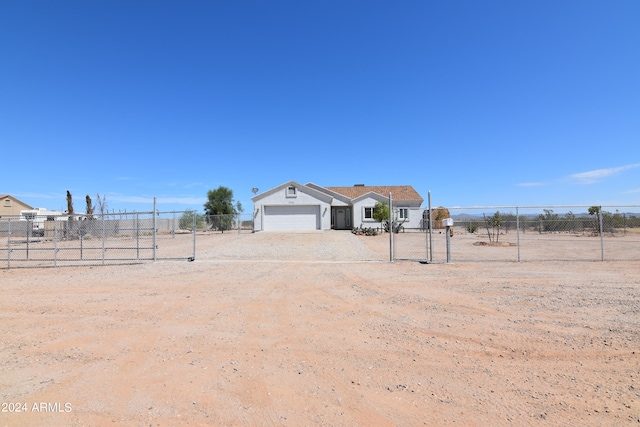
289, 191
9, 205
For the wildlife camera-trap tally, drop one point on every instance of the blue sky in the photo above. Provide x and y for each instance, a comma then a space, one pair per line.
480, 102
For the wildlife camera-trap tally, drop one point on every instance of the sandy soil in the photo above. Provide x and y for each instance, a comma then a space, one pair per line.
288, 340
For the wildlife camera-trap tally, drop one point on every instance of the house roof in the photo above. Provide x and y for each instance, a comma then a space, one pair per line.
398, 192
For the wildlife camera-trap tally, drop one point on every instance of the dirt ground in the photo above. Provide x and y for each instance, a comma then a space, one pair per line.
289, 340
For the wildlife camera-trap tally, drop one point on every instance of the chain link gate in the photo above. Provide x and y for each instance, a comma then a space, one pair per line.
411, 245
98, 239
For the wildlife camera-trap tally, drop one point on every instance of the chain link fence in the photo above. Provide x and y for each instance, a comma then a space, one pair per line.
510, 233
116, 238
235, 223
545, 233
99, 239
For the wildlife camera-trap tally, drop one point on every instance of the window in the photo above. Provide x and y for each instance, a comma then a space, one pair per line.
291, 191
368, 213
403, 213
7, 202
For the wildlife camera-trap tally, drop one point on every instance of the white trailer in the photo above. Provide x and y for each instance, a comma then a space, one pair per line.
38, 216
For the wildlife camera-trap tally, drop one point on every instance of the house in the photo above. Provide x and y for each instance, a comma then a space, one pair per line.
295, 206
10, 206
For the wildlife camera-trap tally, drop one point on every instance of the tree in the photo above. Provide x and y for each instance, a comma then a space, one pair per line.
495, 222
221, 208
571, 218
381, 214
595, 211
70, 205
102, 204
89, 207
618, 220
186, 220
549, 221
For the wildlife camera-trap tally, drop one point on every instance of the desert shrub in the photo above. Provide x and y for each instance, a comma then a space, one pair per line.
367, 231
472, 226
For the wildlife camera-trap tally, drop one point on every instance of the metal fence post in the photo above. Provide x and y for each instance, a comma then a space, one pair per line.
448, 242
9, 244
81, 240
29, 230
390, 228
104, 237
55, 243
136, 228
430, 230
518, 231
601, 236
154, 229
195, 224
426, 241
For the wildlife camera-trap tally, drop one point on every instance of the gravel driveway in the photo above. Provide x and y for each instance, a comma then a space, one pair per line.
328, 246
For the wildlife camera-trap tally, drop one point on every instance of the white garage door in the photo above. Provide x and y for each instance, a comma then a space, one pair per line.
291, 218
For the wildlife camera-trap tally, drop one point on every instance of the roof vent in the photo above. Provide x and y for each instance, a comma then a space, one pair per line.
358, 185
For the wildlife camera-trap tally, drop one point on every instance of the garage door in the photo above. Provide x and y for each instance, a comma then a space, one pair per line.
291, 218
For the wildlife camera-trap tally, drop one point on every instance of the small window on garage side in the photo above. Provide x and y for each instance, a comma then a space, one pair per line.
7, 202
403, 213
292, 191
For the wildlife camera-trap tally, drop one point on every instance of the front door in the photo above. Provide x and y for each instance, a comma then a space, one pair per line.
342, 218
341, 222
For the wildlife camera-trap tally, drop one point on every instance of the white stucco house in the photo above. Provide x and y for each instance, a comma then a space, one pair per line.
295, 206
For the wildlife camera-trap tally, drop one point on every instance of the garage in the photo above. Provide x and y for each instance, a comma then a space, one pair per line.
298, 217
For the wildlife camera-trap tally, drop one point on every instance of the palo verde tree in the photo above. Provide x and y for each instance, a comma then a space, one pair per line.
221, 208
381, 214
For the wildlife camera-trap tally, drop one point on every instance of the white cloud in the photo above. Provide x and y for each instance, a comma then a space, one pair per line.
597, 175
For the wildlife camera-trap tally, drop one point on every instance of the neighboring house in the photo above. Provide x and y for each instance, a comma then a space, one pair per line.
295, 206
10, 206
